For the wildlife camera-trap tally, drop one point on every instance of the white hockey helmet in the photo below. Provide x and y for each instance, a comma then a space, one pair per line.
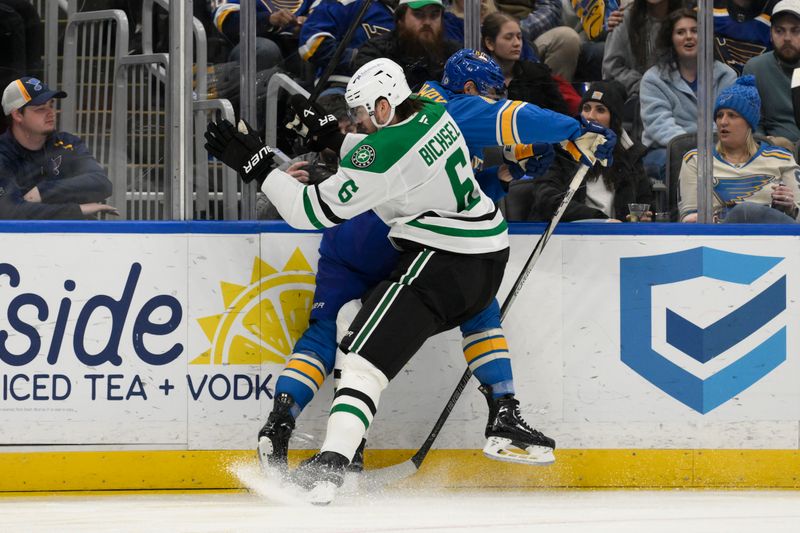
380, 78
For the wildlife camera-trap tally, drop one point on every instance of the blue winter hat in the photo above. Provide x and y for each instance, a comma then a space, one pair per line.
743, 98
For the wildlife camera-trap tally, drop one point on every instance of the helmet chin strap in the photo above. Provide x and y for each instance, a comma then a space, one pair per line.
388, 120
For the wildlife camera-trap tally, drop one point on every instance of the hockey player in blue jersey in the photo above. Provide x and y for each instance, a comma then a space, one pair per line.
346, 273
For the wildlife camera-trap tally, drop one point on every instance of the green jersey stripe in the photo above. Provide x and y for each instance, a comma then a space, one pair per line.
459, 232
309, 209
345, 408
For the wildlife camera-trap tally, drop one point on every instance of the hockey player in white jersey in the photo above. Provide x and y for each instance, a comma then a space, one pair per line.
413, 170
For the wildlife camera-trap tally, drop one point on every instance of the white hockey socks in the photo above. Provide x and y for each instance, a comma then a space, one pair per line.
344, 318
354, 405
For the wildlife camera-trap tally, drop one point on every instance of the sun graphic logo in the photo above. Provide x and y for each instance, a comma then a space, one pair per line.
263, 320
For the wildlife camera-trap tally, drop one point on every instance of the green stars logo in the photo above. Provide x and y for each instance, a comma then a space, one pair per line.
363, 156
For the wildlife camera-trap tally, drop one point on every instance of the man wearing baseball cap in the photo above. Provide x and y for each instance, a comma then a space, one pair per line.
44, 173
417, 43
773, 71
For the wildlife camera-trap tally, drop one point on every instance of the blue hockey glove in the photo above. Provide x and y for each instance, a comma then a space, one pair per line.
596, 143
528, 159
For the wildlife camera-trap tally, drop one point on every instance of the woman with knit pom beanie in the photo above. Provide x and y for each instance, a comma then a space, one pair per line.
753, 183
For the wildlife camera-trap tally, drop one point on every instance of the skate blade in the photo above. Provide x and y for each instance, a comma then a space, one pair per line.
501, 449
264, 452
322, 493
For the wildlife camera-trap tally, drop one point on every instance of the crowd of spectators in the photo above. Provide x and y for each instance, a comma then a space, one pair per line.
550, 51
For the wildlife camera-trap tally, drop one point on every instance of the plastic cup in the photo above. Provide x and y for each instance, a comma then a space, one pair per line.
637, 210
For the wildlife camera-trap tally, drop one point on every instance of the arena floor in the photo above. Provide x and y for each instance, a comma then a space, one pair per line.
399, 511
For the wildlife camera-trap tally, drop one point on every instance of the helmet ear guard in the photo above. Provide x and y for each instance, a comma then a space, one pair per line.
380, 78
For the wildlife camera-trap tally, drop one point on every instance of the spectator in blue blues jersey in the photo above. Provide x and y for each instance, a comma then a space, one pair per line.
741, 30
278, 24
45, 173
326, 26
328, 22
753, 182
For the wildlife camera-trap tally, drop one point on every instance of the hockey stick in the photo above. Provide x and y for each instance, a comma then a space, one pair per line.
337, 54
334, 61
389, 474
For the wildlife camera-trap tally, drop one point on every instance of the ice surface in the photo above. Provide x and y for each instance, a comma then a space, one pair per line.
484, 511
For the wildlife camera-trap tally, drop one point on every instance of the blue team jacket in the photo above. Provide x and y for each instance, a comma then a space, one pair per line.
63, 170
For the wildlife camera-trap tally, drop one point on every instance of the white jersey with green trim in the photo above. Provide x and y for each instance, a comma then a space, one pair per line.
416, 175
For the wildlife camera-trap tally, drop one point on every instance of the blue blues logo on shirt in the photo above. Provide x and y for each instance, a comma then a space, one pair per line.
638, 277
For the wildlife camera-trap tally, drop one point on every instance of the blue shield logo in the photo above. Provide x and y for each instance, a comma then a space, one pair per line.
638, 275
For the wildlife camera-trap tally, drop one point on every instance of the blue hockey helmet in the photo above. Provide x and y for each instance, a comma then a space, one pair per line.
475, 66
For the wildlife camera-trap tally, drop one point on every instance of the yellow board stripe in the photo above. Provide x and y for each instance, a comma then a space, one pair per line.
507, 123
307, 370
485, 346
204, 470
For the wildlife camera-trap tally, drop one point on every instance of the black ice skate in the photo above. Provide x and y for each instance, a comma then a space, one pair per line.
356, 466
352, 474
510, 438
273, 439
321, 476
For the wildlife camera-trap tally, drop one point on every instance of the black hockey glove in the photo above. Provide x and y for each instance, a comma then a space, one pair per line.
319, 128
318, 173
242, 150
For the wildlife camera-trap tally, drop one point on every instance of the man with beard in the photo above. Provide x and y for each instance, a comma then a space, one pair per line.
773, 72
417, 43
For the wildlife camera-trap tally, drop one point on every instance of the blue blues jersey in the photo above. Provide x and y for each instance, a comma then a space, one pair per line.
226, 16
738, 37
328, 22
485, 122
